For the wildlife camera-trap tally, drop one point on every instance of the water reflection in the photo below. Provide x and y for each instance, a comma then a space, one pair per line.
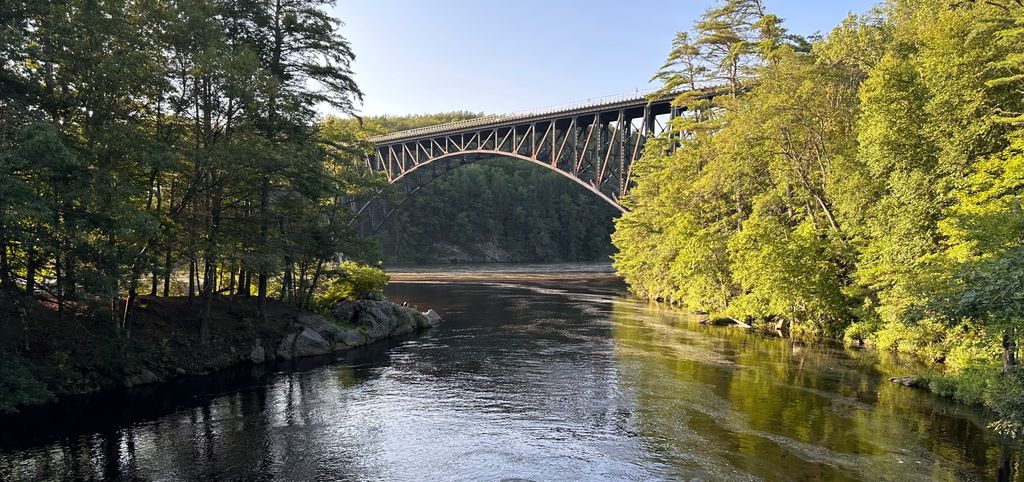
535, 380
740, 405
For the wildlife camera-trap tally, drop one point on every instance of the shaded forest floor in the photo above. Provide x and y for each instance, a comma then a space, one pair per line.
44, 357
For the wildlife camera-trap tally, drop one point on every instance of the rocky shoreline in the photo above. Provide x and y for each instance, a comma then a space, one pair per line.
357, 323
351, 324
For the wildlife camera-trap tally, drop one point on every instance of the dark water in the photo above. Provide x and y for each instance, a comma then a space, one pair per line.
528, 378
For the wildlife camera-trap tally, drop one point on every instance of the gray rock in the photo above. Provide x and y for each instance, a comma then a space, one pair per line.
344, 311
145, 376
258, 354
363, 321
148, 377
383, 319
431, 317
310, 343
353, 337
908, 381
284, 350
372, 318
321, 325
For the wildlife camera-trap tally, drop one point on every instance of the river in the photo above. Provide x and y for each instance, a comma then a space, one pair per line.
537, 373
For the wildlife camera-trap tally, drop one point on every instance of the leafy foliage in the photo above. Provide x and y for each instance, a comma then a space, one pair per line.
866, 184
143, 143
354, 281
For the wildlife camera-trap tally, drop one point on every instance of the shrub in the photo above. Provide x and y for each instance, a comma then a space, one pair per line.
974, 385
859, 332
18, 384
353, 281
1007, 400
925, 338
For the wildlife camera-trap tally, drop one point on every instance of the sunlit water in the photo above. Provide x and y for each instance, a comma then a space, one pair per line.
546, 373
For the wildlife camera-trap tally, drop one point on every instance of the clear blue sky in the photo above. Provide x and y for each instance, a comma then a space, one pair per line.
424, 56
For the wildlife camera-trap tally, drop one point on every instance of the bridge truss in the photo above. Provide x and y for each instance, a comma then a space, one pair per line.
594, 144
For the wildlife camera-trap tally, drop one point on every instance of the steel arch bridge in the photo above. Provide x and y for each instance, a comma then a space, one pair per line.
594, 144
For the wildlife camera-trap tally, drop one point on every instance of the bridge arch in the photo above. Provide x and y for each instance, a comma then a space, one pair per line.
372, 221
593, 144
498, 154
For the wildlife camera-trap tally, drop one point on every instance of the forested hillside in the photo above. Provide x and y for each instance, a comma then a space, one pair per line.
867, 185
500, 210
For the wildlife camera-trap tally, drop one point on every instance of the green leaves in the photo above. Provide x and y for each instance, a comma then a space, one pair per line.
873, 185
353, 282
141, 136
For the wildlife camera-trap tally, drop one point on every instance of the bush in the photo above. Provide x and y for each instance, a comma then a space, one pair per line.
967, 386
352, 282
860, 332
18, 384
926, 338
1007, 400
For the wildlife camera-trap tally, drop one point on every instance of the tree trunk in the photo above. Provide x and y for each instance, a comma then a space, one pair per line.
31, 264
312, 284
167, 272
261, 289
210, 275
59, 274
191, 279
70, 291
5, 267
129, 308
1005, 471
1009, 352
288, 285
231, 280
243, 282
208, 287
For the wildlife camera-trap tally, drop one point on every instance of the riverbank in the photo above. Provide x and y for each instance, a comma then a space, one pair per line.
518, 381
46, 357
982, 384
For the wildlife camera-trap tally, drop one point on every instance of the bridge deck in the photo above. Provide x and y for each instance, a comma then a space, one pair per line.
593, 143
495, 120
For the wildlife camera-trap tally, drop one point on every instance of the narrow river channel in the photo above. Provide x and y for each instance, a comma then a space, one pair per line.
537, 373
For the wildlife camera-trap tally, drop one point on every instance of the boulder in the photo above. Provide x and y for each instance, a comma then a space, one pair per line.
148, 376
431, 318
351, 337
258, 354
376, 317
362, 322
284, 350
344, 311
323, 326
908, 381
381, 319
145, 376
309, 343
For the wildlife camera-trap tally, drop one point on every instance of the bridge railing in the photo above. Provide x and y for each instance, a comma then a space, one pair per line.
497, 118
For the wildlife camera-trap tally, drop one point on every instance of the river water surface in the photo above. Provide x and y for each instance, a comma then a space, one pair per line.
536, 373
